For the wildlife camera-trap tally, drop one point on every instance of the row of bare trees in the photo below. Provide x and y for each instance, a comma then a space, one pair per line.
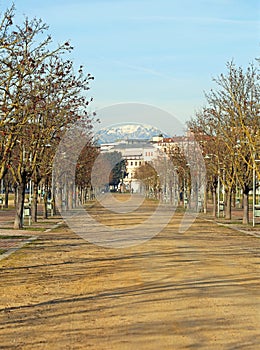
176, 175
41, 96
228, 130
222, 144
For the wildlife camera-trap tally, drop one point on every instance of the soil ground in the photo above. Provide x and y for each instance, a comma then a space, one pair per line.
193, 290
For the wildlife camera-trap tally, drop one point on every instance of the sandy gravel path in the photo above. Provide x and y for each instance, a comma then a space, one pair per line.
195, 290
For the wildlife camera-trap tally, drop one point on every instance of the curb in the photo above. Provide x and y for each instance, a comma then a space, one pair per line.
54, 226
27, 241
19, 246
257, 235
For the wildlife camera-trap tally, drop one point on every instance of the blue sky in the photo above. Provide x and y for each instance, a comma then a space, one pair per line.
161, 53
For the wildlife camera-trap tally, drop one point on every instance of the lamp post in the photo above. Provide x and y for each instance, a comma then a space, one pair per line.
254, 188
52, 195
222, 203
2, 193
52, 199
218, 195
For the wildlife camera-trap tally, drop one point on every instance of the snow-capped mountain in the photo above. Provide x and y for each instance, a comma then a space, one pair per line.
127, 131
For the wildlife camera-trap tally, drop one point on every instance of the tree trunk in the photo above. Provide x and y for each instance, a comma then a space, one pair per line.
45, 210
228, 212
58, 198
205, 201
15, 195
70, 196
35, 203
215, 204
6, 196
245, 208
171, 196
233, 199
54, 211
18, 220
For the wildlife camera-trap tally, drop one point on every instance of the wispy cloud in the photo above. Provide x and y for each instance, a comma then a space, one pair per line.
139, 68
195, 19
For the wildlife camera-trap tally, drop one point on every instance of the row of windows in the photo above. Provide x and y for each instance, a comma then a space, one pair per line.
134, 163
149, 154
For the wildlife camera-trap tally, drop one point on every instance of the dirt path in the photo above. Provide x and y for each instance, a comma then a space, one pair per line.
196, 290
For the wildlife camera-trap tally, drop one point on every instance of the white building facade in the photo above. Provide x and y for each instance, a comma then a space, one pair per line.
136, 153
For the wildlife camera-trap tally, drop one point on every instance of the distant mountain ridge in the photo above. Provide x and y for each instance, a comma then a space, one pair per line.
127, 131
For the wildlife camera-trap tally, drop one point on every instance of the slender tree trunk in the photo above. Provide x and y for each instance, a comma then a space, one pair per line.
70, 196
66, 197
57, 199
245, 208
228, 212
18, 220
6, 201
171, 196
214, 197
205, 201
45, 211
83, 195
15, 195
234, 199
211, 195
80, 196
54, 205
35, 203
